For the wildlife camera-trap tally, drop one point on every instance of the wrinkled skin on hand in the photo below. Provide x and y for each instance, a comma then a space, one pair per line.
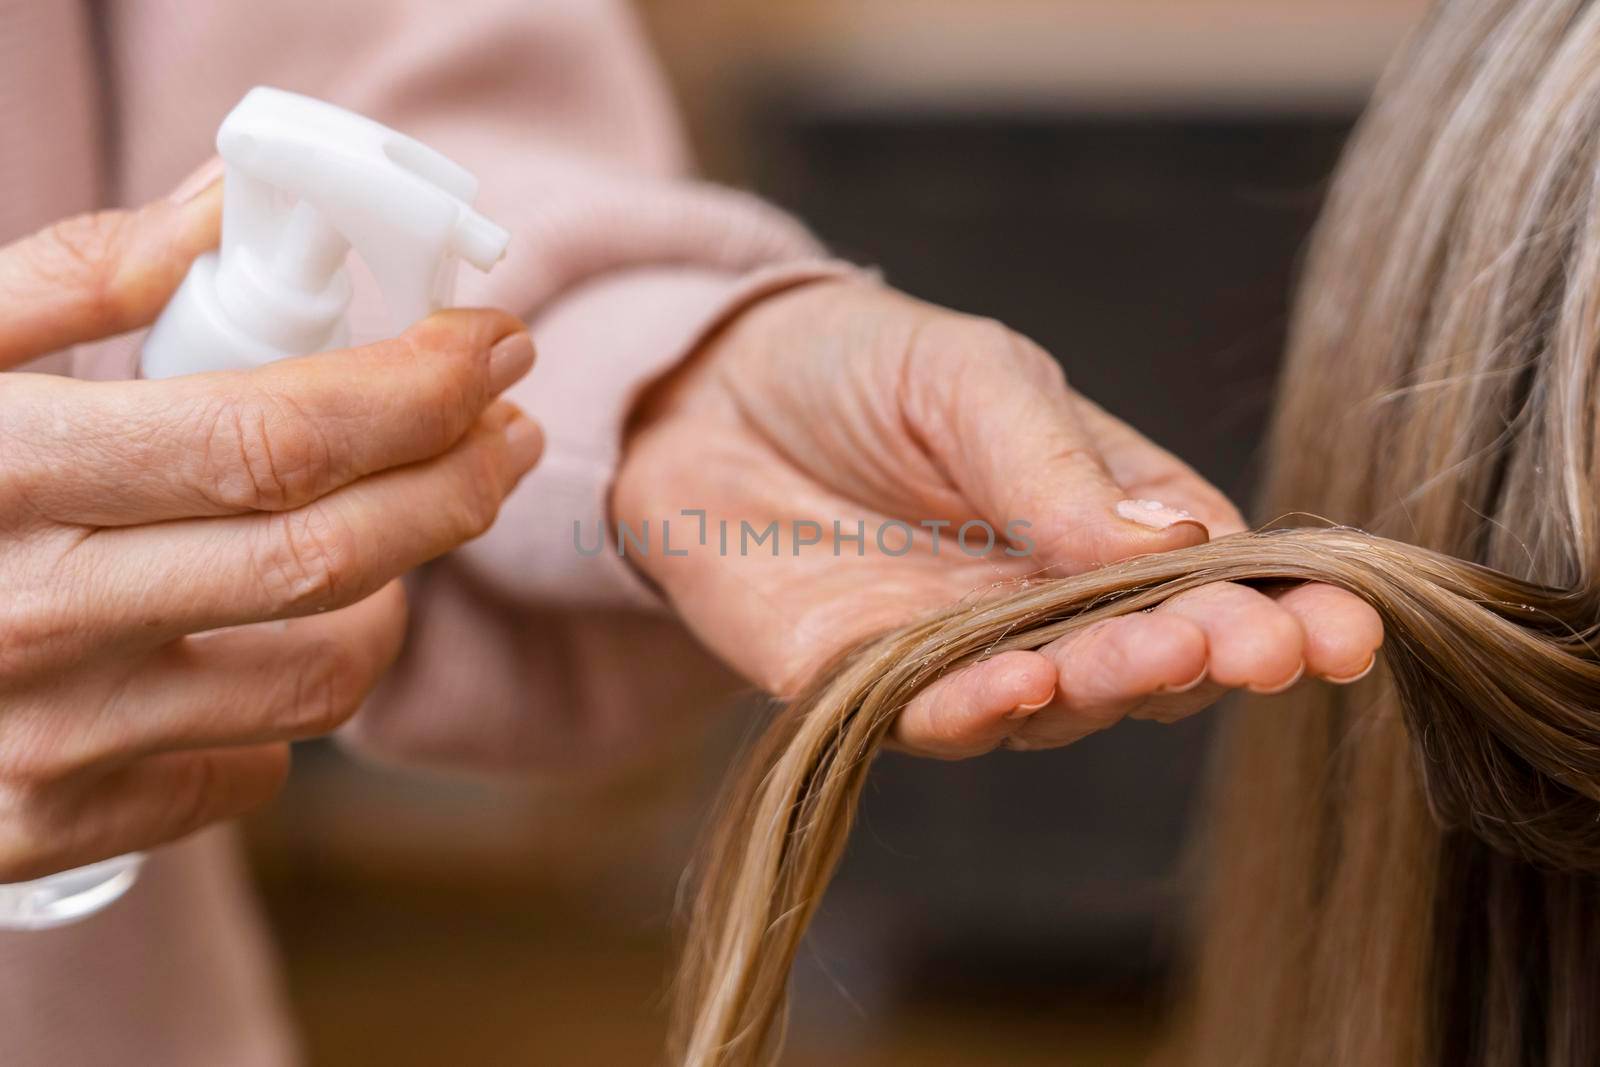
848, 401
195, 572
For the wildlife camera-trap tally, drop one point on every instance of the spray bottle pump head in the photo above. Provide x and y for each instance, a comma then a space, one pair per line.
305, 182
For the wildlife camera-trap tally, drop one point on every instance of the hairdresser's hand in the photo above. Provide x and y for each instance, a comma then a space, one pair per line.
850, 401
136, 514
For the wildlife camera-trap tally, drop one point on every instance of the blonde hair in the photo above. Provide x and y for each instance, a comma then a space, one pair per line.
1402, 871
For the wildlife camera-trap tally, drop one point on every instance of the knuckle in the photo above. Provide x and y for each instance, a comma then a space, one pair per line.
1107, 657
35, 635
1198, 602
456, 384
263, 455
62, 724
988, 342
208, 790
18, 632
991, 337
310, 560
32, 841
976, 331
1279, 632
26, 442
953, 342
972, 339
33, 755
33, 762
945, 730
328, 689
190, 802
478, 498
953, 357
1037, 364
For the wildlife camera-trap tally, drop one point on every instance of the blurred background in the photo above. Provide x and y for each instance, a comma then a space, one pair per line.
1127, 181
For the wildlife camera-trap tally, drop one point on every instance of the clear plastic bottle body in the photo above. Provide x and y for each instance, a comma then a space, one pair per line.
67, 896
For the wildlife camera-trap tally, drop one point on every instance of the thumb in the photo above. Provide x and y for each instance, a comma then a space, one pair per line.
1020, 451
104, 273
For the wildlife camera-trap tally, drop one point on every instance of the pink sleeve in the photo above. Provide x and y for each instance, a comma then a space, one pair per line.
619, 260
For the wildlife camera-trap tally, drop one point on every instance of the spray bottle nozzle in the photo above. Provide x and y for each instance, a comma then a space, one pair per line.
306, 182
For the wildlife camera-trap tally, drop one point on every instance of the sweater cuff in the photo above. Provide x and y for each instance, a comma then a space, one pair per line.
600, 346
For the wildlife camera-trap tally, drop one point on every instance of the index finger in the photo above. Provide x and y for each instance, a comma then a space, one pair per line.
269, 439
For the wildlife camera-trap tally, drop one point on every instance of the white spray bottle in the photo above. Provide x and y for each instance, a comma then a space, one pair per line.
304, 183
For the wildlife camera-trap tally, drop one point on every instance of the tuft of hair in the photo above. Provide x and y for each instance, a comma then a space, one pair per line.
1498, 679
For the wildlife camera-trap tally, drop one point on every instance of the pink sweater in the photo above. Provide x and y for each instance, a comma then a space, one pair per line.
620, 262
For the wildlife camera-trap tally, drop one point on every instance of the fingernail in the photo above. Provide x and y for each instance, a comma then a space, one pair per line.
1362, 673
1186, 686
509, 360
524, 442
1290, 684
1022, 711
197, 182
1155, 515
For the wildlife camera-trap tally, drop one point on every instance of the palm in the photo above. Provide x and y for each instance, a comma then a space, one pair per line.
876, 426
778, 614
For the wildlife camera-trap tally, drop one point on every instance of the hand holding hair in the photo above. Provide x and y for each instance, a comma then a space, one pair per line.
850, 402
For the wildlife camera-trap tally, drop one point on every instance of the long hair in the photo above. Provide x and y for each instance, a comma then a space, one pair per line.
1440, 390
1399, 872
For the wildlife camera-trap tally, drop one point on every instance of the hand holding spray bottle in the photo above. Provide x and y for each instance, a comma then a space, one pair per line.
305, 183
